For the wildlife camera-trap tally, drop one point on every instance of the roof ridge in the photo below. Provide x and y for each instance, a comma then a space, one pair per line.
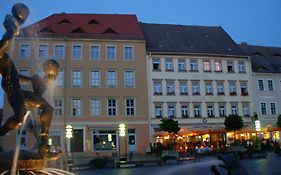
184, 25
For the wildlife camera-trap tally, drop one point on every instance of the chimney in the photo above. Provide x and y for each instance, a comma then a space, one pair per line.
244, 43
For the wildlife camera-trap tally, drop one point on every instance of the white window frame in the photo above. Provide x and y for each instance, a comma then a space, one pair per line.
210, 111
218, 66
54, 51
95, 109
272, 86
241, 67
170, 87
76, 106
112, 107
181, 65
45, 50
126, 53
195, 87
220, 87
263, 109
91, 51
60, 78
207, 66
193, 65
183, 87
129, 81
157, 87
209, 88
197, 111
261, 86
222, 110
246, 109
234, 109
169, 64
81, 52
171, 111
114, 53
184, 111
156, 61
158, 111
57, 108
27, 51
271, 109
130, 107
95, 81
111, 81
75, 82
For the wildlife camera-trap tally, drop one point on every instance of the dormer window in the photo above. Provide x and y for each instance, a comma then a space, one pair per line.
93, 21
46, 29
109, 31
64, 21
78, 30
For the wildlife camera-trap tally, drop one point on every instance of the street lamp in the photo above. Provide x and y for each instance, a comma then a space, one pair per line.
69, 135
122, 133
258, 128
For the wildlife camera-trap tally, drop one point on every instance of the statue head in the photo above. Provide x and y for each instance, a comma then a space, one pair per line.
51, 69
20, 12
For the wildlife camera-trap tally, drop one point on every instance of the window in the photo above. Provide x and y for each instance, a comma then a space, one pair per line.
60, 79
94, 52
156, 65
220, 88
170, 88
218, 67
95, 107
210, 111
234, 109
112, 107
260, 84
184, 111
43, 51
197, 111
169, 65
95, 78
195, 88
76, 78
208, 88
171, 111
130, 107
232, 88
193, 65
104, 140
58, 105
222, 111
207, 66
246, 110
158, 111
263, 108
128, 53
157, 86
76, 52
76, 107
181, 65
230, 66
24, 72
244, 88
111, 52
25, 51
183, 88
129, 78
270, 85
273, 108
111, 79
241, 67
59, 51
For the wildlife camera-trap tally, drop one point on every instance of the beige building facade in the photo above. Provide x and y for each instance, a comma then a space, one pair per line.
101, 82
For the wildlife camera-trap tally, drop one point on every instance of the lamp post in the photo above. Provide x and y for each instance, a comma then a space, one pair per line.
69, 135
121, 133
258, 128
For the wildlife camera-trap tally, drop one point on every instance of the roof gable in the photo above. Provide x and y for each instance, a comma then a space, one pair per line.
88, 25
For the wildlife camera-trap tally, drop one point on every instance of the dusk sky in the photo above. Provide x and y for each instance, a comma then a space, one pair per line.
257, 22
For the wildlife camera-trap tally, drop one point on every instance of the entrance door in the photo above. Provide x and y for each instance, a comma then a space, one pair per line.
77, 141
132, 140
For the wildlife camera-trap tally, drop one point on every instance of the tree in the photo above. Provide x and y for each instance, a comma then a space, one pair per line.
172, 127
279, 121
169, 125
233, 123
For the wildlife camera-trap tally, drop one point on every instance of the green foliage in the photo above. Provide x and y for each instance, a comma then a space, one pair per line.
169, 125
233, 122
279, 121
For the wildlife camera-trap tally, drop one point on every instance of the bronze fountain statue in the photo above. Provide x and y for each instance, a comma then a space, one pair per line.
20, 99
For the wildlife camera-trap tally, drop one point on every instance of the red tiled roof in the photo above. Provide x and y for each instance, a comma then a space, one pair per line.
87, 25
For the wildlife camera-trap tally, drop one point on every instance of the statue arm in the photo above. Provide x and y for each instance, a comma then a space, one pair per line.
12, 28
